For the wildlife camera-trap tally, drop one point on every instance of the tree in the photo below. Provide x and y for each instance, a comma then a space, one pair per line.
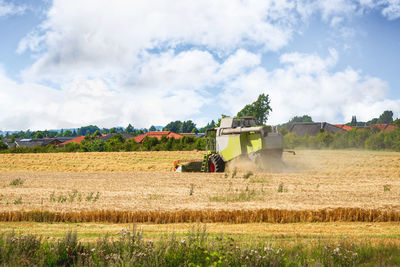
187, 126
38, 134
68, 133
3, 146
96, 133
353, 121
152, 128
129, 129
208, 126
119, 129
396, 122
304, 118
373, 121
97, 145
112, 130
87, 130
149, 142
386, 117
173, 126
259, 109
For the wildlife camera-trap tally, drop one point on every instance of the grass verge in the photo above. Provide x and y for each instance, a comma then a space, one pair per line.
196, 248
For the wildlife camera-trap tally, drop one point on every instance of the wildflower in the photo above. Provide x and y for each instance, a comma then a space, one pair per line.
268, 249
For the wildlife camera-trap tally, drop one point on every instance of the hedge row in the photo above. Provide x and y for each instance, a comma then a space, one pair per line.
118, 143
355, 138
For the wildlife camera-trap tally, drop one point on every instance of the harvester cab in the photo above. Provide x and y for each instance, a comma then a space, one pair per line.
237, 138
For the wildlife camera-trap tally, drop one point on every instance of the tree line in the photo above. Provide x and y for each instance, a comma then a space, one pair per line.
373, 139
116, 143
174, 126
358, 137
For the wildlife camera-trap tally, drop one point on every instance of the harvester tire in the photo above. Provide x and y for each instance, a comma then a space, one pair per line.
215, 164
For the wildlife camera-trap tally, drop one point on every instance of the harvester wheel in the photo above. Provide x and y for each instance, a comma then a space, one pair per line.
215, 164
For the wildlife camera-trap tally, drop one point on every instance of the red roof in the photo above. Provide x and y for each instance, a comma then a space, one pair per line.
77, 140
383, 127
158, 135
343, 126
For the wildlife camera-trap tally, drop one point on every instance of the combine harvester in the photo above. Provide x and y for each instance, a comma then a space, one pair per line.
236, 138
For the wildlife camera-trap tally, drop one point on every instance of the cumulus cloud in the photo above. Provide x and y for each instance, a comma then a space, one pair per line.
164, 88
306, 63
9, 9
176, 86
75, 37
75, 41
305, 85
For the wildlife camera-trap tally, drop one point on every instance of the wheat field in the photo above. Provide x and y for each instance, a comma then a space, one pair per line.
314, 185
154, 161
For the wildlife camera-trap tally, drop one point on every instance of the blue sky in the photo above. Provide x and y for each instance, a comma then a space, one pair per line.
71, 63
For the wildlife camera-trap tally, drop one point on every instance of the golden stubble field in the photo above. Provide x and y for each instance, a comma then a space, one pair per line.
142, 181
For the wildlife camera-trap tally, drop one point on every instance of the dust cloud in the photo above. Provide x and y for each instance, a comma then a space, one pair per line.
288, 163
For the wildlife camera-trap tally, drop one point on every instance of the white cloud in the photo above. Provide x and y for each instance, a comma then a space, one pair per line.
173, 86
306, 63
332, 8
389, 8
75, 38
8, 9
306, 86
166, 87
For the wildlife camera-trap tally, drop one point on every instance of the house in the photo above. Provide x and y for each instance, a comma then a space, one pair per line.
158, 135
313, 128
382, 127
108, 136
41, 141
343, 126
9, 143
77, 140
35, 142
188, 134
197, 135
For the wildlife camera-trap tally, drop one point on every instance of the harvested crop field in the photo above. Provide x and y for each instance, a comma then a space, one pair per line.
154, 161
118, 187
